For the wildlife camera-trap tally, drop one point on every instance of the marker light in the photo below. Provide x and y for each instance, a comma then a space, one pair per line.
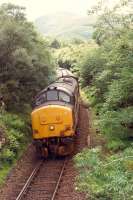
51, 128
35, 131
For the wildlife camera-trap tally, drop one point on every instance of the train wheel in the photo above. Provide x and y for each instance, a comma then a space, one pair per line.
61, 151
66, 150
45, 152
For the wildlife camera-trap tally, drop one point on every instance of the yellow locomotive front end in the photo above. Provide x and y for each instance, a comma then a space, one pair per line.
53, 130
52, 121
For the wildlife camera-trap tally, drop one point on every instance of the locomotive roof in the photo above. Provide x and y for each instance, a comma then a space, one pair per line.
61, 72
66, 84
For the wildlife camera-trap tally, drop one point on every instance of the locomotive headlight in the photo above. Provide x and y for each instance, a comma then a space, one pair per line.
51, 128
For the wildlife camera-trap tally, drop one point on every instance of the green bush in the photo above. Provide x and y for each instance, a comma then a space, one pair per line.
116, 144
117, 123
17, 136
14, 145
7, 155
105, 177
20, 137
14, 122
107, 76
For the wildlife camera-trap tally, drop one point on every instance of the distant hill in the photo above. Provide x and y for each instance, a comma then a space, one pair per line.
64, 25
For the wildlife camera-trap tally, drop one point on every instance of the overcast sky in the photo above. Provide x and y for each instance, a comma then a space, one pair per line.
36, 8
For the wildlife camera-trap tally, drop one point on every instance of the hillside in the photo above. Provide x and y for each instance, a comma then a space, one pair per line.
64, 25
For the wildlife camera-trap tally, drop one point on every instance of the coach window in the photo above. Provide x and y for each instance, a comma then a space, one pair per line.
52, 95
64, 97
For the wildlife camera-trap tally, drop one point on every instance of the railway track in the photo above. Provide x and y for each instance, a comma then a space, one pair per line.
44, 181
47, 181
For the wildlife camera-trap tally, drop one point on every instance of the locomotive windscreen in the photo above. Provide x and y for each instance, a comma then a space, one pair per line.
53, 95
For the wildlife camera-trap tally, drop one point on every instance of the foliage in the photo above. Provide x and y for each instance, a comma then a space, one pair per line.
107, 73
26, 65
16, 133
116, 144
107, 80
105, 177
71, 54
7, 155
12, 121
112, 20
117, 123
55, 44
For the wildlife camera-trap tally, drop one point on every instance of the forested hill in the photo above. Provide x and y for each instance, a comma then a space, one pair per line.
64, 25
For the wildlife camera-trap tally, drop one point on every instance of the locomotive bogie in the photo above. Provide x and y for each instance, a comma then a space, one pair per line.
57, 146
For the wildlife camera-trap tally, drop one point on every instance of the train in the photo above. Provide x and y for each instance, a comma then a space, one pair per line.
55, 116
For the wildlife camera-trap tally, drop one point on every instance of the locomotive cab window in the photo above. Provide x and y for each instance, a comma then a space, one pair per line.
64, 97
41, 99
52, 95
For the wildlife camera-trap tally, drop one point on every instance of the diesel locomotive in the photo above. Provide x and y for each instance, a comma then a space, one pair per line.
55, 116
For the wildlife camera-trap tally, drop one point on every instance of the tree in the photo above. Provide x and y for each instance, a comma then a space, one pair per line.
55, 44
25, 63
107, 73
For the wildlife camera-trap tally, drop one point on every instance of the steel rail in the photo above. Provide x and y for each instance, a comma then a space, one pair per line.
58, 182
29, 180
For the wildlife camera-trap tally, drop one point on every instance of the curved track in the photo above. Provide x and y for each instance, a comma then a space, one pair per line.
44, 181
